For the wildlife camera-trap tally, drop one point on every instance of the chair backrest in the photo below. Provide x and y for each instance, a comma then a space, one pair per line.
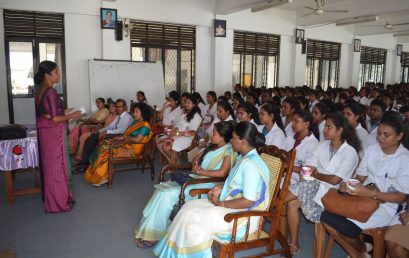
281, 166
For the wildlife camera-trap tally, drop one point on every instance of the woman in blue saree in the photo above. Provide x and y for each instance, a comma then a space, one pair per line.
199, 222
216, 162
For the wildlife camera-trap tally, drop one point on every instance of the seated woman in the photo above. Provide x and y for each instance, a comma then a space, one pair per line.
384, 164
200, 221
88, 125
170, 113
272, 126
247, 113
396, 237
318, 114
303, 141
224, 113
288, 106
333, 161
134, 139
353, 113
210, 109
216, 162
180, 138
84, 136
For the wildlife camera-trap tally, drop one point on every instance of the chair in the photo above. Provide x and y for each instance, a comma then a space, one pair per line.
147, 156
280, 164
174, 161
377, 234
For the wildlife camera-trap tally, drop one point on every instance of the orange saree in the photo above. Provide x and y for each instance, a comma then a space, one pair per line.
98, 169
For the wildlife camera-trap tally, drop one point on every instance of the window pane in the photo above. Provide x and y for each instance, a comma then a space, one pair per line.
186, 70
138, 54
236, 68
171, 67
52, 52
21, 67
155, 55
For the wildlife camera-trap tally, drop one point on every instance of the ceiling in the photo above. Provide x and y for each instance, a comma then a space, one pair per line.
392, 11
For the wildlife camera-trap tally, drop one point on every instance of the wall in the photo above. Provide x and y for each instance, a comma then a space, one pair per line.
85, 40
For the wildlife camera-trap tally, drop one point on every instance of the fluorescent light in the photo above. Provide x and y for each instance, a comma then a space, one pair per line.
357, 20
269, 4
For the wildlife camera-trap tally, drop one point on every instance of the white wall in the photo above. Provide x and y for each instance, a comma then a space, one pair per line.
85, 40
4, 109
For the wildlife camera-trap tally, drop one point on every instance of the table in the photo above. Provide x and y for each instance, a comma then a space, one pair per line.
19, 154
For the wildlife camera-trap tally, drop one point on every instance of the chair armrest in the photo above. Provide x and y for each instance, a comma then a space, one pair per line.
247, 214
196, 192
195, 182
170, 168
114, 144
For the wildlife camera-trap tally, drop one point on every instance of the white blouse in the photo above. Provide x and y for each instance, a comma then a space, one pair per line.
342, 164
216, 120
390, 174
321, 130
210, 114
304, 150
183, 142
171, 117
363, 137
274, 137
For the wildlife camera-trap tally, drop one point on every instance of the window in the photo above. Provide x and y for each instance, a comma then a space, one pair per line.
372, 67
322, 64
168, 44
30, 38
255, 59
404, 72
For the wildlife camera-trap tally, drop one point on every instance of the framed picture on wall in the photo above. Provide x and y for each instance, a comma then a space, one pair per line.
220, 28
399, 50
357, 45
299, 36
108, 18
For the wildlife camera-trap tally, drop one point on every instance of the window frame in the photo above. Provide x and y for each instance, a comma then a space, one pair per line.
372, 57
180, 46
321, 54
270, 50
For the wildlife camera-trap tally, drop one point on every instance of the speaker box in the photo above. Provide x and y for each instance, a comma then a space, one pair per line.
119, 30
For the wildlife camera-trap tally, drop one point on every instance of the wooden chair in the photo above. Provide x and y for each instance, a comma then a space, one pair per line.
146, 157
175, 161
280, 164
377, 234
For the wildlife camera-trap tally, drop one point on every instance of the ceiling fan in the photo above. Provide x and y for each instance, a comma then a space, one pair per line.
319, 9
390, 26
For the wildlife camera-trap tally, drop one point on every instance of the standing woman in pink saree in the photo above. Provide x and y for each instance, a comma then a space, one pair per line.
52, 139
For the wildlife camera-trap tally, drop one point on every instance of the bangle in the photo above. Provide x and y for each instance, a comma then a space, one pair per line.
375, 196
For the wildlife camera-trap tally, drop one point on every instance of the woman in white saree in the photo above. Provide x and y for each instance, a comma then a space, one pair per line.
199, 222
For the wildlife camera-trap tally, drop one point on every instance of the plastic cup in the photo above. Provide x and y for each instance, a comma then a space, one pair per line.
352, 183
306, 171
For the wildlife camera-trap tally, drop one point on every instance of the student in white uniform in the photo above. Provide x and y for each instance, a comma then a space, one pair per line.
171, 111
200, 103
319, 111
224, 113
247, 113
385, 165
181, 136
272, 126
375, 113
313, 99
332, 162
288, 106
353, 114
303, 141
210, 109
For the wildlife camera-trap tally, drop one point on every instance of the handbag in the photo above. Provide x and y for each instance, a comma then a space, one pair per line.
359, 208
11, 132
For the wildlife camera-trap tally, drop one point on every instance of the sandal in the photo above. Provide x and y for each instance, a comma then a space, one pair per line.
293, 252
144, 244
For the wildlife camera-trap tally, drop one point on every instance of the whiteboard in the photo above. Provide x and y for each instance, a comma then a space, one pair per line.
122, 79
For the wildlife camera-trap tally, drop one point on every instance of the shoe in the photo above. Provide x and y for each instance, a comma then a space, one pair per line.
104, 181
